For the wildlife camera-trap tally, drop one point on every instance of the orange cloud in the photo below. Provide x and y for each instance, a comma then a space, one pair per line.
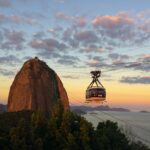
112, 21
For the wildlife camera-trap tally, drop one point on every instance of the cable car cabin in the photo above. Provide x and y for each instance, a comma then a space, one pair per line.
95, 93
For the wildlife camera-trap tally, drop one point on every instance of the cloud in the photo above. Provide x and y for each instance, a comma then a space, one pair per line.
55, 31
86, 37
96, 62
6, 72
67, 36
5, 3
92, 48
106, 32
136, 80
48, 44
118, 62
17, 19
12, 40
84, 40
48, 54
78, 21
103, 62
142, 63
61, 15
14, 36
93, 63
68, 60
122, 29
112, 22
121, 64
118, 59
119, 26
144, 58
39, 35
70, 77
9, 60
25, 58
113, 55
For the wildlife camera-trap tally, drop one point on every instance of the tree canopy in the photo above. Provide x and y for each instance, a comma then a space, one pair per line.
61, 130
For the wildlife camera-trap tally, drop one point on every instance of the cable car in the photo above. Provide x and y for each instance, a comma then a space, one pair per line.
95, 93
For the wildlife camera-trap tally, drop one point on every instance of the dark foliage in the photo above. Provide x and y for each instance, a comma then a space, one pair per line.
60, 131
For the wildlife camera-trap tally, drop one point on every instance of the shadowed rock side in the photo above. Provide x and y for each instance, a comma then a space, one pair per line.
36, 87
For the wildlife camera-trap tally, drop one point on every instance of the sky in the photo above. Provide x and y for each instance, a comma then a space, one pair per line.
75, 37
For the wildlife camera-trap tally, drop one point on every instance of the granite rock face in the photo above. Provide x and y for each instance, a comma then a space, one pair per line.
36, 87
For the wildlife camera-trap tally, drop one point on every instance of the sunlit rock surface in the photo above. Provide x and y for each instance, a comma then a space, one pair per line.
36, 87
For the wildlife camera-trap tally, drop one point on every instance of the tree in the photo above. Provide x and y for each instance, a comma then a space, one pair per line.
86, 134
4, 143
110, 137
138, 146
20, 136
62, 130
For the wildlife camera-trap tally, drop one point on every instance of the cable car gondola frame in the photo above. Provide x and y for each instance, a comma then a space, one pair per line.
96, 93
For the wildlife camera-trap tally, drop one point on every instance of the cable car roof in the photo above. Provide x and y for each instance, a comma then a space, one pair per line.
95, 87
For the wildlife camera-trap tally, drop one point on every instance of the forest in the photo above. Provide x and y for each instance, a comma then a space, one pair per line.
60, 130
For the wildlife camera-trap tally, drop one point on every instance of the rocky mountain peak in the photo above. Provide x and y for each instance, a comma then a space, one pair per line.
36, 87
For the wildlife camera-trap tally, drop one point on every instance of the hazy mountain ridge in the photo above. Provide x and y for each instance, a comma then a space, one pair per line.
97, 108
81, 109
3, 108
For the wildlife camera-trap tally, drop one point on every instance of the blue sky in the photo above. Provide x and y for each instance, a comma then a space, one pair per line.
78, 35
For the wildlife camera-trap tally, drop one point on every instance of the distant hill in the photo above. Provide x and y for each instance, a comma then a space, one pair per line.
97, 108
144, 111
78, 111
3, 108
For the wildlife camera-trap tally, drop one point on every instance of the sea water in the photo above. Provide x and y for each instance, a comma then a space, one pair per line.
136, 125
